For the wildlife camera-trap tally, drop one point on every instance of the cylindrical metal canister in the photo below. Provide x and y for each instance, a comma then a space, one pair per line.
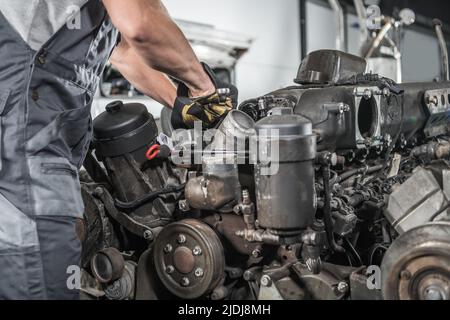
284, 174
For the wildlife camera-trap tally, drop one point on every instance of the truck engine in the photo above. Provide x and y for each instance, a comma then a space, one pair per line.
335, 188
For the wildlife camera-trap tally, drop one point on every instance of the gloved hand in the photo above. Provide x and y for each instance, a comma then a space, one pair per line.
209, 109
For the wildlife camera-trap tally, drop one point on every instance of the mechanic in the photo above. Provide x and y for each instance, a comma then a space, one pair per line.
49, 72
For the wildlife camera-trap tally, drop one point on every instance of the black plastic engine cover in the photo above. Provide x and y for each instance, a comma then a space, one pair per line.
123, 128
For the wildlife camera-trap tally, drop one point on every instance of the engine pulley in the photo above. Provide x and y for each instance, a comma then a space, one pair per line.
189, 258
417, 265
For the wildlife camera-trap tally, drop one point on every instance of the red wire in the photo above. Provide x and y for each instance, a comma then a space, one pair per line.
153, 152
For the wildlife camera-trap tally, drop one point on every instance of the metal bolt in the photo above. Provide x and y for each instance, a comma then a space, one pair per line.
256, 253
181, 238
170, 269
148, 235
199, 272
342, 287
405, 275
168, 248
266, 281
197, 251
433, 293
433, 100
183, 205
185, 282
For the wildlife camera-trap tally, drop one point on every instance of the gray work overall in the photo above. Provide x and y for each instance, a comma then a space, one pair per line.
45, 130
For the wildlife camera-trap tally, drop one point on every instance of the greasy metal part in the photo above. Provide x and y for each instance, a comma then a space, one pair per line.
417, 265
251, 233
432, 151
124, 287
195, 265
313, 241
278, 285
125, 220
122, 136
322, 286
132, 180
218, 188
417, 201
438, 104
339, 24
227, 225
288, 174
337, 131
437, 24
259, 235
233, 132
107, 265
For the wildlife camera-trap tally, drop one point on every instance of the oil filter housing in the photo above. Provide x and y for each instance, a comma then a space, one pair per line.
122, 136
124, 128
285, 191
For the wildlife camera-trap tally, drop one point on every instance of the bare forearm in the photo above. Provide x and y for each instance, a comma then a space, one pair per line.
147, 27
147, 80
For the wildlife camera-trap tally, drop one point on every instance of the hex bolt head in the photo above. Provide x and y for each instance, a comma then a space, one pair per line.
170, 269
181, 238
183, 205
185, 282
168, 248
266, 281
148, 235
199, 272
256, 253
197, 251
342, 287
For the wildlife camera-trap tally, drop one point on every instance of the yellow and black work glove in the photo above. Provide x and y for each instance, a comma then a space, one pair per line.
209, 109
